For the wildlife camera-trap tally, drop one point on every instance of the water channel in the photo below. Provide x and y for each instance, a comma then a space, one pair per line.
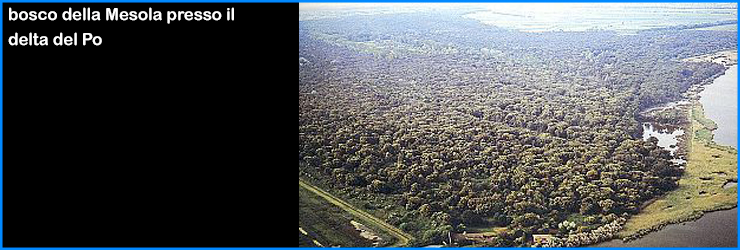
714, 229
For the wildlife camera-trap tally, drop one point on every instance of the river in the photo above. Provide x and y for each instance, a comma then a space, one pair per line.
720, 105
714, 229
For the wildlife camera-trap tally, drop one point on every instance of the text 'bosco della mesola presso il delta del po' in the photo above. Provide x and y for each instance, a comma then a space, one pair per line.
111, 14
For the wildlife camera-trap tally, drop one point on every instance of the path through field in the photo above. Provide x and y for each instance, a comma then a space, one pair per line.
403, 238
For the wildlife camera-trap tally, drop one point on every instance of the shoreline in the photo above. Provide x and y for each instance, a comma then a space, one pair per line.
693, 217
696, 122
725, 57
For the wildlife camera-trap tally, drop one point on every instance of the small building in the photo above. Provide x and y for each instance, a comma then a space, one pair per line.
542, 238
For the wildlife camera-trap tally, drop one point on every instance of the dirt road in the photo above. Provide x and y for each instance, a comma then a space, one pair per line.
403, 238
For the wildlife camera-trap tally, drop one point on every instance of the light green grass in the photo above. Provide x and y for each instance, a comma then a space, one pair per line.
700, 190
697, 113
495, 230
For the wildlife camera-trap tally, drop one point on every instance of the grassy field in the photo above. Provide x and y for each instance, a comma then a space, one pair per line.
697, 114
491, 229
721, 27
329, 225
700, 190
328, 216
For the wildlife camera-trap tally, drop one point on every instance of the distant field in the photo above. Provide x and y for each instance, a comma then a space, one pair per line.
721, 27
619, 17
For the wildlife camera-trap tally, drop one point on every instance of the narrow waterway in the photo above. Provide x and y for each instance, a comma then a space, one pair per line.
720, 105
714, 229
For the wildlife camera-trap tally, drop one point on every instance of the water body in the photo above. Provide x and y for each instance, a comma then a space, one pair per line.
714, 229
667, 137
720, 105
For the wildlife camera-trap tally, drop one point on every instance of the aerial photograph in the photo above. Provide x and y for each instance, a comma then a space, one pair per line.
517, 125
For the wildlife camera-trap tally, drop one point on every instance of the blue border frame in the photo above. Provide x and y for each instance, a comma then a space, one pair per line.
556, 1
2, 131
155, 1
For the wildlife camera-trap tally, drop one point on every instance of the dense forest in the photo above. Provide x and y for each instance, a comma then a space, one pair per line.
440, 123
